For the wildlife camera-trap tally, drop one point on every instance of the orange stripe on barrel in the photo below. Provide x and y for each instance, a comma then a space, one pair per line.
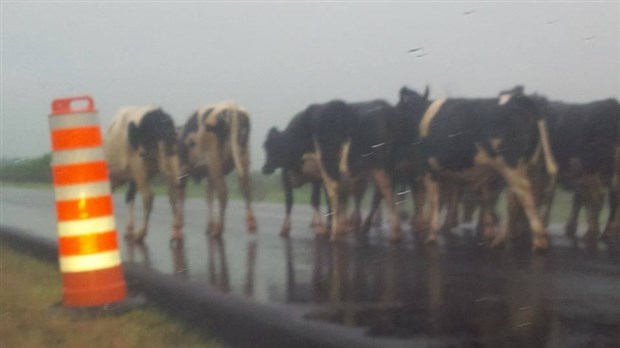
84, 208
93, 288
86, 244
81, 173
73, 138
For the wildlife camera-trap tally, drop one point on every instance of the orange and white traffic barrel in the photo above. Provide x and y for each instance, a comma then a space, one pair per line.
90, 263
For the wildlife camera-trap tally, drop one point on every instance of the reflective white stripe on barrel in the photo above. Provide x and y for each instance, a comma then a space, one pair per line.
74, 121
91, 262
78, 156
81, 191
81, 227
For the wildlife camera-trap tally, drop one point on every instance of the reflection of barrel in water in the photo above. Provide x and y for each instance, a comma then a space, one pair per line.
143, 252
217, 254
179, 260
251, 266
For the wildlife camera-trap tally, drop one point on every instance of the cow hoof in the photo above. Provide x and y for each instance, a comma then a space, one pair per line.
431, 240
177, 233
285, 232
320, 230
139, 238
251, 224
570, 230
335, 238
540, 244
365, 228
176, 242
217, 231
396, 238
488, 233
498, 242
589, 237
609, 236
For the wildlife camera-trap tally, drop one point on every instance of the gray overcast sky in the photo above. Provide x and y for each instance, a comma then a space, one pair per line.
276, 58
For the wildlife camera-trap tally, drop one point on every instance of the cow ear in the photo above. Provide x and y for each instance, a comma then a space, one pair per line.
133, 133
273, 132
427, 91
402, 92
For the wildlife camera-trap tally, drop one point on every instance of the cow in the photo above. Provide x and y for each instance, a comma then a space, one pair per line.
292, 151
353, 142
212, 143
475, 140
139, 143
585, 142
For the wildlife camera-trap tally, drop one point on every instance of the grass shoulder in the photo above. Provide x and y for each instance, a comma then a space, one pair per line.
30, 287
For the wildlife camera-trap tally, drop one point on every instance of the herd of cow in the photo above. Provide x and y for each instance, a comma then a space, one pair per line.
444, 152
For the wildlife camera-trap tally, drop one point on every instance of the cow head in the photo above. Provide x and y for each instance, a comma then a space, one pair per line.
274, 149
411, 102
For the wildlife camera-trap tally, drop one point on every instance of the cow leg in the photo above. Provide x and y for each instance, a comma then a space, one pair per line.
315, 200
432, 194
222, 197
147, 205
288, 203
130, 200
359, 189
244, 182
452, 198
376, 201
488, 219
512, 209
573, 217
594, 197
209, 199
519, 184
384, 184
418, 195
176, 195
470, 204
612, 229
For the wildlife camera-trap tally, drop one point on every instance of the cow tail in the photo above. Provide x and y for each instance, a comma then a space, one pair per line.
550, 163
234, 142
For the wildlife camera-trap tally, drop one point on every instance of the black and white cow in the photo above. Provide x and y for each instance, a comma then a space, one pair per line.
292, 151
585, 142
140, 143
213, 142
473, 140
352, 143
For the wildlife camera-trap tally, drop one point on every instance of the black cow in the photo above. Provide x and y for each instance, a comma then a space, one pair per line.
585, 143
354, 142
292, 150
472, 140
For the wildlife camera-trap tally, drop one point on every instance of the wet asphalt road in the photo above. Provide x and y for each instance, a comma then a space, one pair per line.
459, 293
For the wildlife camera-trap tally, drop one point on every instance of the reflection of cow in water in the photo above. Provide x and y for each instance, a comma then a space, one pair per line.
141, 142
213, 142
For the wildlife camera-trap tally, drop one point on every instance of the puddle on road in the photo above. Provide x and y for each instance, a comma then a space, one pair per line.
459, 293
471, 296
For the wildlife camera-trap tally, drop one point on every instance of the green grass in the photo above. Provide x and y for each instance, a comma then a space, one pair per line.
30, 288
